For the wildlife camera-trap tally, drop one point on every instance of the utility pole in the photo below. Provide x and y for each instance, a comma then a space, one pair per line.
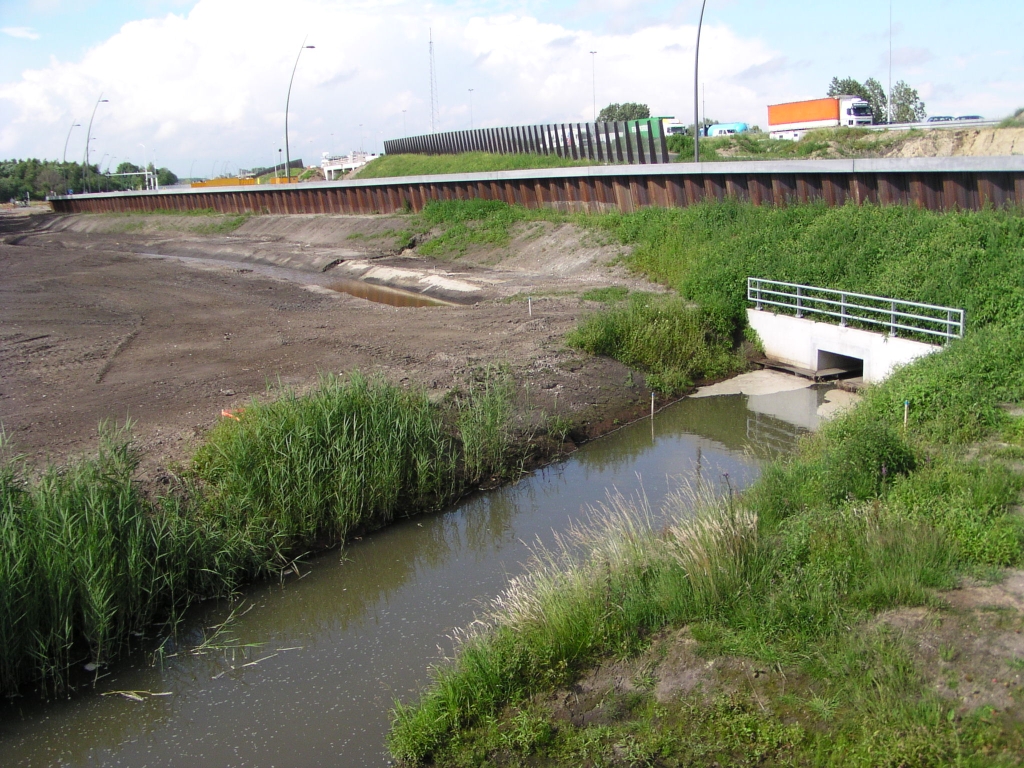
433, 86
593, 80
696, 64
888, 106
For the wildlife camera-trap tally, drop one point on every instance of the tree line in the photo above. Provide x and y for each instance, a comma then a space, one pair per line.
907, 106
36, 179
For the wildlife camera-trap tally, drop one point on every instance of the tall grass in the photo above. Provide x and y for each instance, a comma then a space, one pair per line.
79, 563
779, 576
870, 515
86, 559
967, 259
467, 162
352, 453
673, 340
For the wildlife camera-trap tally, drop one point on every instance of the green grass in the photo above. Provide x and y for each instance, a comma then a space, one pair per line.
675, 342
706, 252
87, 560
462, 224
1016, 120
825, 143
224, 226
867, 517
610, 295
779, 576
468, 162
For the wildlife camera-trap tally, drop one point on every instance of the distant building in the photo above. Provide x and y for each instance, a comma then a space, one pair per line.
336, 166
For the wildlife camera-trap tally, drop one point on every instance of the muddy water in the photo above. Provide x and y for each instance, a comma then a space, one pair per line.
384, 295
306, 676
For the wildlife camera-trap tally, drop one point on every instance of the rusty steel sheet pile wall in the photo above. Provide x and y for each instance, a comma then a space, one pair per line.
933, 183
636, 141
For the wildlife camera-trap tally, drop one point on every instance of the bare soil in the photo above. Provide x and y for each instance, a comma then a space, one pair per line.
164, 321
969, 142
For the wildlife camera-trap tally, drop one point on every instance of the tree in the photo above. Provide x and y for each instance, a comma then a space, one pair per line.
875, 96
907, 107
49, 180
870, 91
165, 177
628, 111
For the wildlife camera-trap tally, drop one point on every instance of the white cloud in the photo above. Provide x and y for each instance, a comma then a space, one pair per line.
25, 33
210, 86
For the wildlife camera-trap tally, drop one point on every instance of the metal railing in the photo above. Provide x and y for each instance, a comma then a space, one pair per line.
892, 315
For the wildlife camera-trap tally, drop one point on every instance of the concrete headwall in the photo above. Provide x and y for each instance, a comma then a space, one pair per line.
812, 346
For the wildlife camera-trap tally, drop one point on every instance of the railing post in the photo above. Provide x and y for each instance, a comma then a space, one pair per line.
842, 310
758, 294
799, 303
892, 319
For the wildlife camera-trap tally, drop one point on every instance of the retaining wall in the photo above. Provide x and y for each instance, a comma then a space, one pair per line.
967, 183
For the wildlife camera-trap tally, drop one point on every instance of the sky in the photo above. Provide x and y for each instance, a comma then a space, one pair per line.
200, 86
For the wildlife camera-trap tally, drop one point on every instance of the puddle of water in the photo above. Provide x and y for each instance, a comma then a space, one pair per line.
384, 295
338, 646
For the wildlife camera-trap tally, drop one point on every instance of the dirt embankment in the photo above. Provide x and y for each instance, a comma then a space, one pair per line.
166, 321
976, 142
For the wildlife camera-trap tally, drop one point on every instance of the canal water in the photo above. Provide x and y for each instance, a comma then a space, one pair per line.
306, 671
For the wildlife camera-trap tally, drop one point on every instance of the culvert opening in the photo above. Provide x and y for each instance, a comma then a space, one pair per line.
832, 365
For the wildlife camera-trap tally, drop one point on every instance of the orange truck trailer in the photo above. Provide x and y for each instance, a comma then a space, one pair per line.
793, 120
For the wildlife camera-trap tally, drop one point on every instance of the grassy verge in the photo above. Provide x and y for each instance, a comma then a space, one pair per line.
822, 144
866, 518
468, 162
870, 516
87, 560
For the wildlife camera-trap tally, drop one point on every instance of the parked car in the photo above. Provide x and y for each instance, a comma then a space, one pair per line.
940, 118
970, 117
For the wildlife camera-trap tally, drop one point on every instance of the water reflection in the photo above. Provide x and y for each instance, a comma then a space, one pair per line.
361, 627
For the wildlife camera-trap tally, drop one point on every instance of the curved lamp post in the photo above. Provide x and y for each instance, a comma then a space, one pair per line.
64, 160
696, 62
287, 150
88, 134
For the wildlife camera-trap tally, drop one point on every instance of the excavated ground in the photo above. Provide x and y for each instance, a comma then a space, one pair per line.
165, 321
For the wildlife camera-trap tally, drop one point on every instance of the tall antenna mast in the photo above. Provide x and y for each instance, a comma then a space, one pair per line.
888, 104
433, 87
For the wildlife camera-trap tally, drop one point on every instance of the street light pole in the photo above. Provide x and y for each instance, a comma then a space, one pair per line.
593, 80
287, 149
696, 64
88, 134
64, 160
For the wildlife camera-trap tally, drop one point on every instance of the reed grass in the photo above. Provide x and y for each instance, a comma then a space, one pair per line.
351, 453
87, 560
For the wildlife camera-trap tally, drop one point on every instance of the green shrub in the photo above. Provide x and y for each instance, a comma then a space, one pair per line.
676, 342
